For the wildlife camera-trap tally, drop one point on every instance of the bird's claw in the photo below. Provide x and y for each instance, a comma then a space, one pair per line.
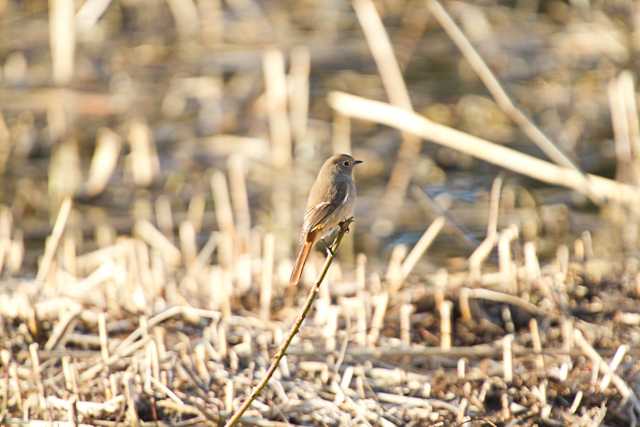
344, 225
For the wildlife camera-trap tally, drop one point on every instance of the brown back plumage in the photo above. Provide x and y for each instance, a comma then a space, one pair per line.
330, 201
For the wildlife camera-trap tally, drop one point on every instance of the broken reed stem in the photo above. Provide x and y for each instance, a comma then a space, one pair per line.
276, 97
313, 293
266, 286
420, 248
495, 88
484, 249
380, 112
62, 39
299, 93
239, 196
53, 241
626, 392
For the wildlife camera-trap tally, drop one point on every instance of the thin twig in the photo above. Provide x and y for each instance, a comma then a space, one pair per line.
313, 293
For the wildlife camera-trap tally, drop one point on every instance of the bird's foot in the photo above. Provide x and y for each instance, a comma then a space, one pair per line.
346, 224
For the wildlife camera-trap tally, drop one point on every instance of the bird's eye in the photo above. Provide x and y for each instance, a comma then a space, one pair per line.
346, 163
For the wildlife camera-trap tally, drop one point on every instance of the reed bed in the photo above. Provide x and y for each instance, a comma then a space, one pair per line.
155, 159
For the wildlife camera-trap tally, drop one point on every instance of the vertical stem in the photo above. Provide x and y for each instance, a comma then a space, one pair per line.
313, 293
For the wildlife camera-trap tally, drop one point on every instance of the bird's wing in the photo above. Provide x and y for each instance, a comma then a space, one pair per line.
316, 215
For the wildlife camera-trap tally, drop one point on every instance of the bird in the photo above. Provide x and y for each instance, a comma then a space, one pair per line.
331, 201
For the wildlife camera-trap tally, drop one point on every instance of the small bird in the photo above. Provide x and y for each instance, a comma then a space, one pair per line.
330, 202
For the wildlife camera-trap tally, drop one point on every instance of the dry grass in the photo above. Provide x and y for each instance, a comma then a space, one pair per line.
154, 163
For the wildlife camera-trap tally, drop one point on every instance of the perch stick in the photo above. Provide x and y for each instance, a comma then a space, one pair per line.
380, 112
235, 418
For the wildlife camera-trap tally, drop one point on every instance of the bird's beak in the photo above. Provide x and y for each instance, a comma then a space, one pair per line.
357, 162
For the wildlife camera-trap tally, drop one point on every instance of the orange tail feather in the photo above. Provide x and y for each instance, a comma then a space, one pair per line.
301, 259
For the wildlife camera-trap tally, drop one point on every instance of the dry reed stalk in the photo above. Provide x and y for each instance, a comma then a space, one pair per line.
5, 235
57, 120
627, 87
465, 307
377, 320
299, 92
239, 196
576, 403
64, 174
445, 325
204, 255
619, 118
504, 298
144, 163
361, 321
421, 247
211, 15
45, 423
507, 358
185, 13
406, 310
397, 92
493, 86
5, 144
36, 374
624, 115
15, 380
341, 136
53, 240
505, 262
104, 337
222, 202
541, 170
195, 211
103, 162
481, 253
626, 392
15, 257
536, 342
88, 408
440, 283
89, 14
64, 326
273, 62
188, 245
154, 238
461, 368
531, 264
394, 269
276, 97
266, 284
68, 254
235, 418
62, 39
164, 215
613, 365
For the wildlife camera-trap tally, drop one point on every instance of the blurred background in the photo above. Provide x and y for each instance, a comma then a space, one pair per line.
155, 159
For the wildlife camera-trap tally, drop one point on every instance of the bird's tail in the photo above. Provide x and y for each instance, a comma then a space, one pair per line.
301, 259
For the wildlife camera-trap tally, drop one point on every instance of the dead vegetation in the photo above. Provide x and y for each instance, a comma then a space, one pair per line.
153, 161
